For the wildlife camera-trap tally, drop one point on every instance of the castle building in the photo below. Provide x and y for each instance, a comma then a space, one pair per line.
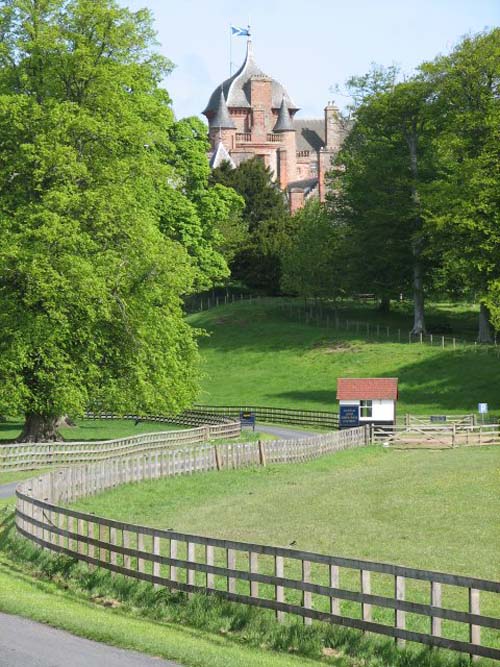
251, 115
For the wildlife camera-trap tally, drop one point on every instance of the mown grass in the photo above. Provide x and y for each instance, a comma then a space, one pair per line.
202, 631
435, 510
429, 509
93, 429
255, 355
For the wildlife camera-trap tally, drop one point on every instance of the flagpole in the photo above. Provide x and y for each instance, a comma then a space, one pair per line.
230, 51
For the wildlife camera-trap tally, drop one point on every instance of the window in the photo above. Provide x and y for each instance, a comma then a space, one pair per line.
365, 408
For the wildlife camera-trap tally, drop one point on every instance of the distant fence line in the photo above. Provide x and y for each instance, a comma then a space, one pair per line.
324, 313
310, 585
315, 418
218, 422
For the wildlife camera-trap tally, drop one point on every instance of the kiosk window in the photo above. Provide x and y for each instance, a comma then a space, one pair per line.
365, 409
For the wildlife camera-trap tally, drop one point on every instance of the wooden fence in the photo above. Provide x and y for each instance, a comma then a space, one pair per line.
26, 456
314, 418
391, 600
436, 436
438, 419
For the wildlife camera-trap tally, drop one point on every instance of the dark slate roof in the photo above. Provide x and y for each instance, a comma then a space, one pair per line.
222, 117
310, 133
306, 185
237, 88
284, 122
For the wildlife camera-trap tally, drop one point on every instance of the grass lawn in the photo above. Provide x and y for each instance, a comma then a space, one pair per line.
47, 603
94, 429
255, 355
433, 510
429, 509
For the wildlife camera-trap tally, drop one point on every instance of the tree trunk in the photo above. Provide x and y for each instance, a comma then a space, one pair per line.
418, 300
39, 428
417, 244
384, 305
485, 333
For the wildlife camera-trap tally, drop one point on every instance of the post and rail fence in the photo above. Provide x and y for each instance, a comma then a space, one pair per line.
326, 313
223, 422
403, 603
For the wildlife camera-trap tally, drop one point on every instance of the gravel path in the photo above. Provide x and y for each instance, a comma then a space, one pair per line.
25, 643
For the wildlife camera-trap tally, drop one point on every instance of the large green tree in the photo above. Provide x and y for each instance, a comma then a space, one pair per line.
315, 262
266, 218
376, 188
463, 200
93, 265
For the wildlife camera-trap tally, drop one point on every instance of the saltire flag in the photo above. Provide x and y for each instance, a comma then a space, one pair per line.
240, 32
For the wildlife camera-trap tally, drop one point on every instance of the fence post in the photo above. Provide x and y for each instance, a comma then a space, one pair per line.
253, 559
453, 435
191, 557
156, 552
334, 583
262, 454
474, 630
217, 457
209, 559
400, 616
279, 594
435, 602
231, 565
306, 595
366, 609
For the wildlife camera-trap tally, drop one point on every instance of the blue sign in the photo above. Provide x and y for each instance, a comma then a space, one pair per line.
349, 416
247, 418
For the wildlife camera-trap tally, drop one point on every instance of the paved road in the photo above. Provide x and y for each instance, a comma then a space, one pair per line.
282, 432
7, 490
24, 643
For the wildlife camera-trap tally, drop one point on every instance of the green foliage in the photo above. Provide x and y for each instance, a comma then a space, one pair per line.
314, 264
258, 354
463, 202
376, 187
92, 268
267, 221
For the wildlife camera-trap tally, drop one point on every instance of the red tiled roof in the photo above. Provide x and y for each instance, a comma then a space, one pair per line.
367, 388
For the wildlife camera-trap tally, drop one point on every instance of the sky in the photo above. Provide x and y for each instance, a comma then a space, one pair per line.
310, 46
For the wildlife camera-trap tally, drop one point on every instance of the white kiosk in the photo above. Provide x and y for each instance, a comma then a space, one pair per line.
367, 401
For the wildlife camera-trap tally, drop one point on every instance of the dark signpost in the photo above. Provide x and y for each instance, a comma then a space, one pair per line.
247, 418
349, 416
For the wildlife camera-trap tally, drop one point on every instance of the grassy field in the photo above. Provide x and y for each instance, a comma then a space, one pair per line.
254, 355
93, 429
435, 510
430, 509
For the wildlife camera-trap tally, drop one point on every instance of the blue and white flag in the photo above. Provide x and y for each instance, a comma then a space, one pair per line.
240, 32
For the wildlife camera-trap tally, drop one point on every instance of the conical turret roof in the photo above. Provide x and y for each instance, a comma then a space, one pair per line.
236, 89
221, 155
222, 118
284, 122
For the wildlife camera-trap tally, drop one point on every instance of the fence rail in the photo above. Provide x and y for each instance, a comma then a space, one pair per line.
313, 586
327, 313
315, 418
433, 436
26, 456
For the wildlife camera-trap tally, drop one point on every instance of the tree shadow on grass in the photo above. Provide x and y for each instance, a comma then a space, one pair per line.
446, 382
